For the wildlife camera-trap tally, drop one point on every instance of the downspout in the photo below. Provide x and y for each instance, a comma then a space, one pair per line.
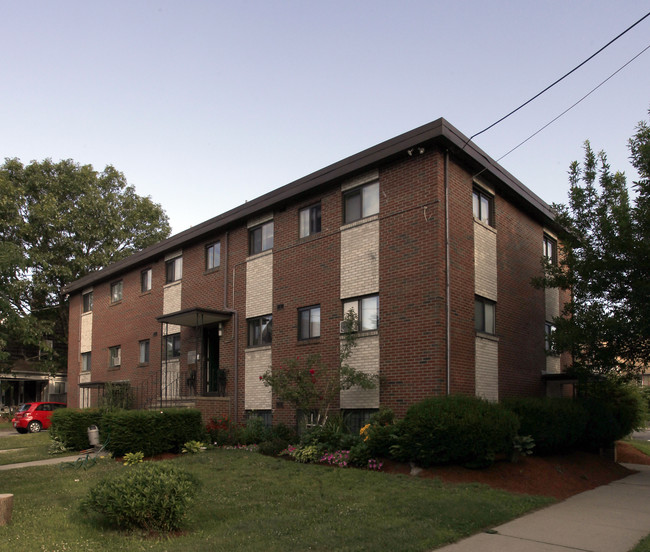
447, 278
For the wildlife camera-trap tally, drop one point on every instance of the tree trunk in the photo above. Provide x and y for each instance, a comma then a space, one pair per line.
6, 507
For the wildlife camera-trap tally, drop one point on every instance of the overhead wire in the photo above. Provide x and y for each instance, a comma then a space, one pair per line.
558, 80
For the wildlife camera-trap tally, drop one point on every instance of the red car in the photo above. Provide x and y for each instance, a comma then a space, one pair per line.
34, 416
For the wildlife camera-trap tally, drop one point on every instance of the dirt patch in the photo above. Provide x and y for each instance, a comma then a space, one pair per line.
556, 476
627, 454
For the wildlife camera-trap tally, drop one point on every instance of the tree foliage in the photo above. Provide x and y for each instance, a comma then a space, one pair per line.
605, 264
58, 222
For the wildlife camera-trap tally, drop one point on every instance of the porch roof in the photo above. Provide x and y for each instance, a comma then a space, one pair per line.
194, 317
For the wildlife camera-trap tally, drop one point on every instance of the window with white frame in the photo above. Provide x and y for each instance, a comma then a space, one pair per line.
261, 238
309, 322
116, 291
549, 330
115, 357
361, 202
367, 311
173, 270
484, 315
310, 220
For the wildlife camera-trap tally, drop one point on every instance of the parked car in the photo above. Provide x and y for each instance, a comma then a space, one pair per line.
34, 416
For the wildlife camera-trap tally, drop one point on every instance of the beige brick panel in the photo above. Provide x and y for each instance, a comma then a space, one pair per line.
365, 357
84, 377
172, 297
86, 344
487, 369
360, 260
365, 178
553, 365
485, 261
552, 303
257, 395
259, 285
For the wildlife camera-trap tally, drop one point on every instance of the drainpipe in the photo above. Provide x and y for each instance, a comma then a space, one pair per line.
447, 278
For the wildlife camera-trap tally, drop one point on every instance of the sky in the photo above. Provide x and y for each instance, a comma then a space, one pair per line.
204, 105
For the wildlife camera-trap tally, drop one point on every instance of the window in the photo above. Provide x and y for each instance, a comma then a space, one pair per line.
484, 315
549, 330
265, 416
483, 207
309, 322
361, 202
145, 280
85, 362
116, 291
213, 256
261, 238
366, 309
173, 270
355, 419
550, 249
87, 301
173, 346
310, 221
144, 351
260, 331
114, 357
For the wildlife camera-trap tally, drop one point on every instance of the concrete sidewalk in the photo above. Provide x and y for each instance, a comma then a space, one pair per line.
611, 518
57, 460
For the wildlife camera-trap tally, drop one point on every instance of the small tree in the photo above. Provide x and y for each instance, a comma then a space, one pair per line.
311, 385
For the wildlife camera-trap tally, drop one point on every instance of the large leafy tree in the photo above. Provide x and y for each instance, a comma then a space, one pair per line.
58, 222
605, 265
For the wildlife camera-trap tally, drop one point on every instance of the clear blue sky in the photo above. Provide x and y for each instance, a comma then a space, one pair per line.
205, 104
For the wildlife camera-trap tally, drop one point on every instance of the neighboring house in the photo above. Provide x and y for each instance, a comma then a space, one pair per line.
427, 238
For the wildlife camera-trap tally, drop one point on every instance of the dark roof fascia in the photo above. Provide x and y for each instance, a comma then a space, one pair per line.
439, 131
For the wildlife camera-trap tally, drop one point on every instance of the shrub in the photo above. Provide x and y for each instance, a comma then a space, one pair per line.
254, 432
615, 410
281, 431
222, 431
70, 427
455, 429
556, 425
272, 447
153, 496
152, 431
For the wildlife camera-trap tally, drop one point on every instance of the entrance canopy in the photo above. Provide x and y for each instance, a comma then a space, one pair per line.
195, 317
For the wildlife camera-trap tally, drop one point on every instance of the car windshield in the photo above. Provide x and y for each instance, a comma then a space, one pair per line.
24, 407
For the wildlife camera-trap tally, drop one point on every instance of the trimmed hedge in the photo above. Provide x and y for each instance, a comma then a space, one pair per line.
556, 425
152, 431
455, 429
70, 426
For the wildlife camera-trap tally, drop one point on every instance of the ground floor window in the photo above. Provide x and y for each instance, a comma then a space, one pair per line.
265, 415
356, 418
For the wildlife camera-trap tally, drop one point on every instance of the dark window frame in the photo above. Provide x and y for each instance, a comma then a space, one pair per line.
309, 330
146, 280
260, 331
480, 198
549, 242
86, 362
87, 302
174, 270
173, 342
363, 324
314, 220
482, 322
147, 344
549, 330
257, 242
112, 357
213, 256
119, 285
353, 215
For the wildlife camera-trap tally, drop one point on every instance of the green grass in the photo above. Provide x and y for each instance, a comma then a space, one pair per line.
24, 448
643, 546
252, 502
643, 446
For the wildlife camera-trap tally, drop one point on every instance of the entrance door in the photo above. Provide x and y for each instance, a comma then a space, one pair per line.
211, 337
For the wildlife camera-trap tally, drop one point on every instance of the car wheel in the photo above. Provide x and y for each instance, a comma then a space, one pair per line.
34, 427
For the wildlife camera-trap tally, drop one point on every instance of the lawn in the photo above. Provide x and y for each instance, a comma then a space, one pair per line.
253, 502
24, 448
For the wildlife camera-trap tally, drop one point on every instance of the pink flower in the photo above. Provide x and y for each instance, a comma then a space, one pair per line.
312, 371
260, 377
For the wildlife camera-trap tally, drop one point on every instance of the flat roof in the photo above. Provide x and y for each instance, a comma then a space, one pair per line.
438, 131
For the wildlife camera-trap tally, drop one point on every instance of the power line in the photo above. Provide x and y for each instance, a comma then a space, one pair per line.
558, 80
576, 103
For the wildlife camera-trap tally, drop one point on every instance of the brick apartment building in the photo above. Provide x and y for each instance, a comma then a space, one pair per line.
429, 240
